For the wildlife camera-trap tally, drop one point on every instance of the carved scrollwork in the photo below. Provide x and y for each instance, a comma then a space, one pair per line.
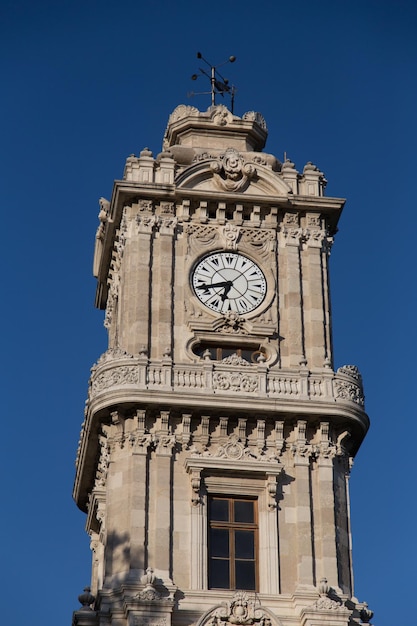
235, 381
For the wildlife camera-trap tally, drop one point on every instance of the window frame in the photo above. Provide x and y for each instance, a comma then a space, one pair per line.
233, 526
249, 478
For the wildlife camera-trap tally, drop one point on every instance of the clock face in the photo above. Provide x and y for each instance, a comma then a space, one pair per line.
227, 281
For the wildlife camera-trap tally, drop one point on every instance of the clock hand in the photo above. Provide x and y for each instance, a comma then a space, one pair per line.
226, 290
227, 284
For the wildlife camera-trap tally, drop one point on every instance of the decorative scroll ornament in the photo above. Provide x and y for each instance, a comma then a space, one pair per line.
233, 449
230, 172
241, 610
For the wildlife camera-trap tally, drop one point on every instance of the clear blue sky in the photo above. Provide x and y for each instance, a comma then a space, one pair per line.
85, 84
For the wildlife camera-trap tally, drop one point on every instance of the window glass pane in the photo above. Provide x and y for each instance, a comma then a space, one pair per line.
219, 574
219, 542
219, 510
244, 544
245, 574
244, 511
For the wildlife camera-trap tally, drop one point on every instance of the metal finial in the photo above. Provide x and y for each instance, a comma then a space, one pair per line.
219, 84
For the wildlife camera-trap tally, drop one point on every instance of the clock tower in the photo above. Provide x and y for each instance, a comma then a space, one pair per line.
215, 452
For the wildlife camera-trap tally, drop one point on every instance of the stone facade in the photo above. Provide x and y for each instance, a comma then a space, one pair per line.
203, 395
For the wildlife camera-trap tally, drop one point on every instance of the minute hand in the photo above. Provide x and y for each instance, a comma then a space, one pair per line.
225, 283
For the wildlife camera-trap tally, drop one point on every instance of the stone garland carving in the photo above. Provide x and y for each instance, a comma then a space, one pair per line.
235, 381
231, 172
200, 236
122, 375
261, 241
240, 611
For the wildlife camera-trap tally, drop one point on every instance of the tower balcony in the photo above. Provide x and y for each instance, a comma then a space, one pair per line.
121, 378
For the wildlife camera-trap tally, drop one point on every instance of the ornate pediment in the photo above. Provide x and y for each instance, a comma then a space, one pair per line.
232, 172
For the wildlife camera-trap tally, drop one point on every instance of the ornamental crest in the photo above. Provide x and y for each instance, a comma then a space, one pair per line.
230, 172
241, 611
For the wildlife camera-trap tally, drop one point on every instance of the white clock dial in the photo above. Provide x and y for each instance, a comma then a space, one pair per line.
227, 281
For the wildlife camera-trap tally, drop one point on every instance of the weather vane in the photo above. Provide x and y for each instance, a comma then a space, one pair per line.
219, 84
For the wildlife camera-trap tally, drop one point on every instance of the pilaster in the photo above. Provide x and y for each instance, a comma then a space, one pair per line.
292, 346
